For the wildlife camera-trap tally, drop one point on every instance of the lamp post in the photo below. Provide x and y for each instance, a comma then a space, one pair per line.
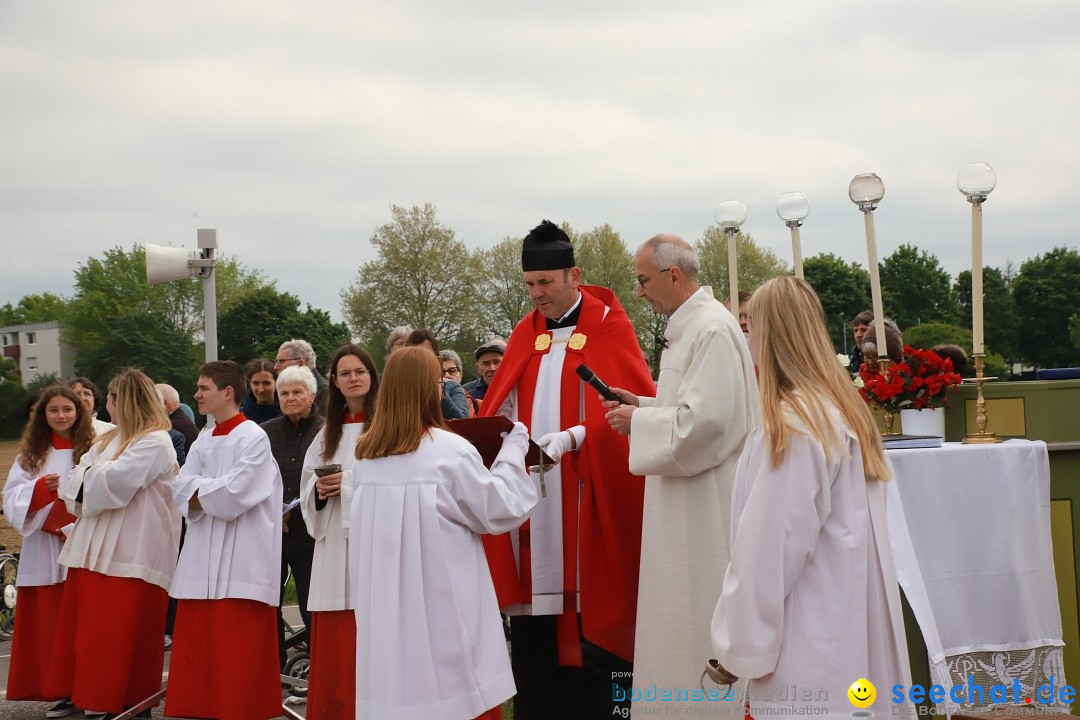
976, 181
730, 215
866, 191
793, 207
164, 264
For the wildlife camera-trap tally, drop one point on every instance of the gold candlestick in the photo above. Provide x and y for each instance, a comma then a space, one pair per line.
883, 368
980, 435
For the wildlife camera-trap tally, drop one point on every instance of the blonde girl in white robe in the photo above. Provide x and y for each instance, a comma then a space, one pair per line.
325, 503
429, 637
810, 601
57, 435
120, 555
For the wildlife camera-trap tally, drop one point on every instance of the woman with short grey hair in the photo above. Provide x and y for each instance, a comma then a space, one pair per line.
290, 436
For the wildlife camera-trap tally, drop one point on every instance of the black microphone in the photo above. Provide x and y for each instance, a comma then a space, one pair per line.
589, 376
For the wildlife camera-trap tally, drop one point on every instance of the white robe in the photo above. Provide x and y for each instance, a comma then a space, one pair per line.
330, 587
38, 563
127, 526
429, 638
233, 544
810, 597
546, 523
686, 442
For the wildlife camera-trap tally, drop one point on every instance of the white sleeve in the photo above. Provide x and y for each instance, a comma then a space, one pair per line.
494, 501
111, 484
708, 422
18, 494
248, 482
778, 530
314, 519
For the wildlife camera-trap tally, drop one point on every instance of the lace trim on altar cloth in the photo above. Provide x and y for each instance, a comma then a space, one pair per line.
1033, 668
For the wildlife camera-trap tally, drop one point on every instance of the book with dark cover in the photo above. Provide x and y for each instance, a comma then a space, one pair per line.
485, 434
909, 442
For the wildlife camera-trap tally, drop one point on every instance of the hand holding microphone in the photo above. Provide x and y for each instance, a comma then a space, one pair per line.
620, 403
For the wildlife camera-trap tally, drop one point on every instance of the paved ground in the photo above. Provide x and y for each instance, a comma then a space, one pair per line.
36, 711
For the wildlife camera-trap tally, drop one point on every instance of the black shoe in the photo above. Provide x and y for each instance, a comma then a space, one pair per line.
61, 709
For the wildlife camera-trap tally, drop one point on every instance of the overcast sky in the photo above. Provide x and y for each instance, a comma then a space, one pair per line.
291, 127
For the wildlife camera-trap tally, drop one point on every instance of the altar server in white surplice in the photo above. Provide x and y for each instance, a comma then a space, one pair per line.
224, 657
686, 441
120, 555
57, 435
429, 637
810, 598
325, 500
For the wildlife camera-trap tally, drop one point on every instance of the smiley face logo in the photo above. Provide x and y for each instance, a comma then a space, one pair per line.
862, 693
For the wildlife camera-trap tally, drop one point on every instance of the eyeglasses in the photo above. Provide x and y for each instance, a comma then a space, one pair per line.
452, 371
642, 280
349, 374
285, 361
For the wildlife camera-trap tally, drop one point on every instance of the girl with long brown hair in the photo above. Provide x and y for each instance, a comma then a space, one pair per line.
429, 637
810, 598
56, 437
324, 499
120, 556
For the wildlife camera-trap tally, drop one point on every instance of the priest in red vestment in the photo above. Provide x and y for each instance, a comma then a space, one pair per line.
568, 578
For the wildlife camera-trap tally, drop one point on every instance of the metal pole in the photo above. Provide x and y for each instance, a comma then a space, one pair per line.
733, 271
208, 244
796, 249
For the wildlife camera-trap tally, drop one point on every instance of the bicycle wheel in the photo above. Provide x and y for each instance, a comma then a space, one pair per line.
9, 571
297, 667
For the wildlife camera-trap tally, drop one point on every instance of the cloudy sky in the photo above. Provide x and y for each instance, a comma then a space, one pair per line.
291, 127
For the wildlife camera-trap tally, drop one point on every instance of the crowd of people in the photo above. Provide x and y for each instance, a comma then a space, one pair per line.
727, 515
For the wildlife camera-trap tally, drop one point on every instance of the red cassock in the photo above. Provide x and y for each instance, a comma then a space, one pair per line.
224, 661
108, 650
332, 678
603, 530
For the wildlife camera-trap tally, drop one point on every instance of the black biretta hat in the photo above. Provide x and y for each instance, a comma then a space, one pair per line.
547, 248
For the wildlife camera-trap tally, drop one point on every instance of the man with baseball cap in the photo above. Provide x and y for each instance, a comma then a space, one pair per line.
488, 357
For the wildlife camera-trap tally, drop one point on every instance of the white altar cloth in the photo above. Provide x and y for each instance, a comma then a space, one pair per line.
970, 527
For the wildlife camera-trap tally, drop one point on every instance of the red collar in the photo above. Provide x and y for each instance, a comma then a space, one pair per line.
227, 427
60, 443
355, 418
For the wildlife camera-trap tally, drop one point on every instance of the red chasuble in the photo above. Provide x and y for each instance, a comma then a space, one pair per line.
603, 531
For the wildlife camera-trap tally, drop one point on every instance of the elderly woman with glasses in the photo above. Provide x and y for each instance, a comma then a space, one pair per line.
290, 437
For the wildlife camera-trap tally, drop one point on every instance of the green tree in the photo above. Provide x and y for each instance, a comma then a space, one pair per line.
501, 288
605, 260
33, 309
423, 276
928, 335
1047, 293
42, 381
1074, 330
112, 298
12, 400
844, 290
1001, 325
257, 324
756, 265
916, 289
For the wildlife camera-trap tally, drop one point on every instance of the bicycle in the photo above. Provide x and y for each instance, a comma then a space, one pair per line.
9, 572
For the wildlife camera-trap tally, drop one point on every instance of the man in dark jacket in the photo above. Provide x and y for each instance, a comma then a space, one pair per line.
177, 417
488, 357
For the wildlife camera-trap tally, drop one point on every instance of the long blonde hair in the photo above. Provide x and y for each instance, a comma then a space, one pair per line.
139, 409
799, 373
408, 404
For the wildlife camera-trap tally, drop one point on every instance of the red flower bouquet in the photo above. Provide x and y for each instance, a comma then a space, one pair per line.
922, 380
